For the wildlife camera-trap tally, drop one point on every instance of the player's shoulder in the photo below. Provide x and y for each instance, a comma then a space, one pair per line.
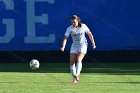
84, 25
70, 27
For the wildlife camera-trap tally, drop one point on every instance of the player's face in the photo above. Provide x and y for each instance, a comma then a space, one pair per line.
74, 22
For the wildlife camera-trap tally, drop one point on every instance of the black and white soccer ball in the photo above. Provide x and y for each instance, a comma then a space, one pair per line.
34, 64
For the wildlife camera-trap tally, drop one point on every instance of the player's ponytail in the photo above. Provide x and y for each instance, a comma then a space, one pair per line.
78, 18
79, 22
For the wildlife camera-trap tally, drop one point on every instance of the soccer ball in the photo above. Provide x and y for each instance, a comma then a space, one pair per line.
34, 64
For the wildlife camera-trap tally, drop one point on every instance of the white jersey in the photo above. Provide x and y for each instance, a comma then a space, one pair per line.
77, 34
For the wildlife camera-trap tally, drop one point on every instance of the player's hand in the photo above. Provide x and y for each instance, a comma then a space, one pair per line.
62, 49
94, 46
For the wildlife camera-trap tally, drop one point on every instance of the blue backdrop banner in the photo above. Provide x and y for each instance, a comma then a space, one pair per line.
41, 24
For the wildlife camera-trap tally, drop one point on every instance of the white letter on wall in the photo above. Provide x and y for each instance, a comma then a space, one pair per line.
10, 27
32, 19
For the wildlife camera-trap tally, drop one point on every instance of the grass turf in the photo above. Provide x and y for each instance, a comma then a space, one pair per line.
55, 78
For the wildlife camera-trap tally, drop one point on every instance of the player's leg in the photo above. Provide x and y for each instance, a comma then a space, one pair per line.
73, 57
80, 57
72, 63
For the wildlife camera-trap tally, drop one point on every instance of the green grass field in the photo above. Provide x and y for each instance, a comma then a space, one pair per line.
55, 78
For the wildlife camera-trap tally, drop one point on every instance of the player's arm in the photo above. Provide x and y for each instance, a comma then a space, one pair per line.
64, 43
92, 39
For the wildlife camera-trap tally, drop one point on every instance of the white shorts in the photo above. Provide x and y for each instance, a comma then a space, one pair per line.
78, 48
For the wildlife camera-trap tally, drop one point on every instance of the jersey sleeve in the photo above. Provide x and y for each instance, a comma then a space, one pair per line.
86, 28
67, 33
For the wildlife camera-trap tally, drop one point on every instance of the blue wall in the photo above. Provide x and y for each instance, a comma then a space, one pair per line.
41, 24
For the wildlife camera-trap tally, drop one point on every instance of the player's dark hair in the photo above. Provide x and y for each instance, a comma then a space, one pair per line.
78, 18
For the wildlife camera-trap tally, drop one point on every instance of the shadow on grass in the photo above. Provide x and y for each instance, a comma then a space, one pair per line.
101, 68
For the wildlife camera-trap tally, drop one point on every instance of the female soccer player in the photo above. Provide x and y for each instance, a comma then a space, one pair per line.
79, 46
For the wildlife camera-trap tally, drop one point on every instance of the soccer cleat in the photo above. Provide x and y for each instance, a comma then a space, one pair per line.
76, 77
74, 80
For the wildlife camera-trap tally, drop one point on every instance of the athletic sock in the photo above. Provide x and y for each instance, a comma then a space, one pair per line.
72, 70
78, 68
